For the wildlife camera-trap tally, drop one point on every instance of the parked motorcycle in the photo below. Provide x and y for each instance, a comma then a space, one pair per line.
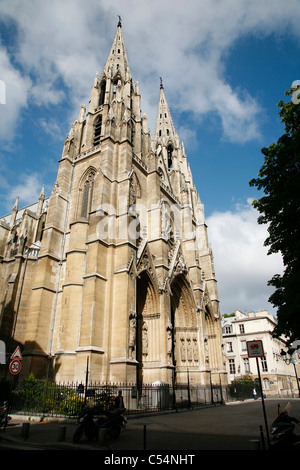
112, 422
282, 431
4, 416
86, 426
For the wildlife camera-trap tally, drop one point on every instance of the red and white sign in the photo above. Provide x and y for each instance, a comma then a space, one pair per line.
255, 349
15, 363
15, 366
17, 354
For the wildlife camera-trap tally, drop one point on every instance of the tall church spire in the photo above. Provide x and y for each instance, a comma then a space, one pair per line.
165, 135
117, 62
164, 129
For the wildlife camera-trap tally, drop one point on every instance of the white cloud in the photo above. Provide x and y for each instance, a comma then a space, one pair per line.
27, 189
242, 265
52, 128
16, 96
66, 42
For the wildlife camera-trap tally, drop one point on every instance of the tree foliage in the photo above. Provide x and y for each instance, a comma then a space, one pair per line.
279, 178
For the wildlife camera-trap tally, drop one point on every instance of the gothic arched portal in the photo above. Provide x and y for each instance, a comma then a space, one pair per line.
147, 303
210, 340
185, 352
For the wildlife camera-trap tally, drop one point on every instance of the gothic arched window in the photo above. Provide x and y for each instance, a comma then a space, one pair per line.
102, 92
87, 196
97, 130
170, 156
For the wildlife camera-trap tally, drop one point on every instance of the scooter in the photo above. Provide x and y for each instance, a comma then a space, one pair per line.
112, 422
4, 417
282, 431
86, 426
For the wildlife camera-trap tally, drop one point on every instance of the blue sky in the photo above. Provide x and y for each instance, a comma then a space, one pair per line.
225, 65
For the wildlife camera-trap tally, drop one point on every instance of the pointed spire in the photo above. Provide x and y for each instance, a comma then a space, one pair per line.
14, 212
117, 62
41, 201
16, 204
164, 129
42, 193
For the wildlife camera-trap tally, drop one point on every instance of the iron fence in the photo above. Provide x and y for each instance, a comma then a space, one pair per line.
67, 399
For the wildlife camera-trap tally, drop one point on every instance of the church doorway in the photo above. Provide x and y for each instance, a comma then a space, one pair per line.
147, 313
185, 348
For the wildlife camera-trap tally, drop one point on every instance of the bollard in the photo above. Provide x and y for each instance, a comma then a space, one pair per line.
145, 446
61, 435
255, 444
102, 436
262, 438
25, 430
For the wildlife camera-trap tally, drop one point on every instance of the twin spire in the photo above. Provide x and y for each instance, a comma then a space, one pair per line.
164, 129
117, 61
117, 66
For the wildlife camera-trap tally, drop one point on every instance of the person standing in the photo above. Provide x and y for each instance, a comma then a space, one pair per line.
119, 402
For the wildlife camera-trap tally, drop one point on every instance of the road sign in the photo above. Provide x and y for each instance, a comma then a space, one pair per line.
15, 366
255, 349
17, 354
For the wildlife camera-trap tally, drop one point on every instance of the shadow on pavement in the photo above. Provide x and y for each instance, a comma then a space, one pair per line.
235, 427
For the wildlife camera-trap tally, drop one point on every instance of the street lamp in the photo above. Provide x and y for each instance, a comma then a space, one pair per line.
290, 359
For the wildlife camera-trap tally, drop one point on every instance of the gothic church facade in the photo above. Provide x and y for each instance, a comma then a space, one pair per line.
115, 266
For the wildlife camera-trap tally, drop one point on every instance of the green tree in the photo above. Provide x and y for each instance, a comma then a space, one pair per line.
279, 178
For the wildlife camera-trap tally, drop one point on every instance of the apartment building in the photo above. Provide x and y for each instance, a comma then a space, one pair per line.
279, 373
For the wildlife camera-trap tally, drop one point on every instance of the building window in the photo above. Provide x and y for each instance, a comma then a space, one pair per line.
231, 366
266, 384
229, 347
242, 329
87, 194
102, 92
228, 330
244, 345
97, 130
246, 365
264, 365
170, 156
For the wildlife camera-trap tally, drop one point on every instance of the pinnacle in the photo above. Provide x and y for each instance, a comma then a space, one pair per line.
164, 128
117, 62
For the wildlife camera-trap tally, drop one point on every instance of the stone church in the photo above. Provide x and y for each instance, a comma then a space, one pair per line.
115, 266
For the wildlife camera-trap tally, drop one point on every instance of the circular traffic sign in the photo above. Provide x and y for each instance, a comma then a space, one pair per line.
15, 367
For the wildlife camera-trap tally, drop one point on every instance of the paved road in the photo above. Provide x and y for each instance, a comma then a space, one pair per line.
229, 427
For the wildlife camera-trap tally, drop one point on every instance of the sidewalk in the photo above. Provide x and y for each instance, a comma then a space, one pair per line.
29, 433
